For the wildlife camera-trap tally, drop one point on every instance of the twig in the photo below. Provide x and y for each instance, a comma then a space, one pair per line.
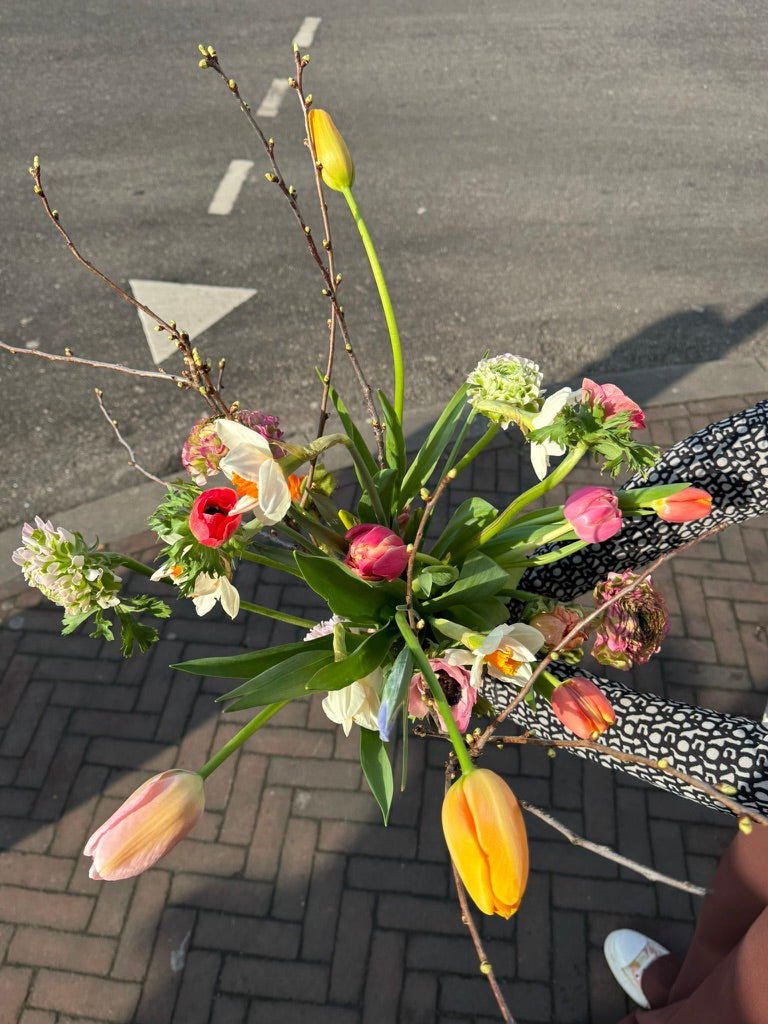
428, 508
180, 382
609, 854
131, 456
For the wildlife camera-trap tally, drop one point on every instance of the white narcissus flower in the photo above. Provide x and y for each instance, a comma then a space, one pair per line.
507, 653
250, 461
541, 452
210, 589
357, 703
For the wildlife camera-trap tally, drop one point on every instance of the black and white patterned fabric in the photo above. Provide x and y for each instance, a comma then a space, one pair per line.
730, 460
708, 746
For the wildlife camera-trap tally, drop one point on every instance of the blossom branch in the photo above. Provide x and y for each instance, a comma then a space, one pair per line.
196, 371
275, 176
131, 456
68, 357
605, 851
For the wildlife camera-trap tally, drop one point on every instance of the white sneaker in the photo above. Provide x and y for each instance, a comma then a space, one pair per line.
628, 954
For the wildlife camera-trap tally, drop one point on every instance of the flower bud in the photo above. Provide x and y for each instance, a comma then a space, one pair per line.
485, 835
330, 151
375, 552
558, 623
582, 707
685, 506
612, 400
210, 521
594, 513
147, 826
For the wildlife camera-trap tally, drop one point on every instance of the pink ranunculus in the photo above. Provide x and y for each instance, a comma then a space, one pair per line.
594, 513
633, 627
375, 552
147, 826
582, 707
210, 521
685, 506
612, 400
558, 623
459, 692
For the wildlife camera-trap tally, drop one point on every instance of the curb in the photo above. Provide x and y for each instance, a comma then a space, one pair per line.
120, 519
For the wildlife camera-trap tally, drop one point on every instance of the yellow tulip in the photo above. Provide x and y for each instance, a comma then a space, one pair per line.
330, 151
485, 834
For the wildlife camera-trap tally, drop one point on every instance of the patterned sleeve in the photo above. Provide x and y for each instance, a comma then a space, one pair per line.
708, 746
729, 459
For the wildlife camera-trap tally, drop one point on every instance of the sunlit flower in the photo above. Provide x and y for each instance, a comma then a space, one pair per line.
210, 589
485, 834
250, 461
633, 627
506, 389
542, 451
210, 520
357, 703
594, 513
375, 552
330, 149
612, 400
684, 506
65, 569
582, 707
147, 826
558, 623
323, 628
456, 685
507, 653
202, 451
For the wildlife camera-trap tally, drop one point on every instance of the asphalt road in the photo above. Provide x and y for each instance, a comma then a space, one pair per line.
580, 182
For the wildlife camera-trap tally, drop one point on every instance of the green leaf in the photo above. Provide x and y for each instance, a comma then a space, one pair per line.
393, 437
353, 433
385, 482
433, 577
468, 519
481, 615
634, 498
346, 594
285, 681
439, 438
395, 691
480, 577
246, 666
368, 656
377, 769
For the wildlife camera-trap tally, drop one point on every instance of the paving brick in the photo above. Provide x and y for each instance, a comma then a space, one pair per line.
242, 807
385, 978
112, 903
246, 934
206, 858
228, 1010
54, 909
84, 995
163, 978
264, 852
37, 1017
294, 871
138, 932
297, 1012
14, 984
15, 680
418, 1002
26, 719
53, 790
228, 895
66, 951
323, 904
350, 950
274, 979
198, 987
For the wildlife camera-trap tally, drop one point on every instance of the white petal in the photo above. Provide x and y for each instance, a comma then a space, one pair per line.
539, 459
274, 494
230, 598
237, 435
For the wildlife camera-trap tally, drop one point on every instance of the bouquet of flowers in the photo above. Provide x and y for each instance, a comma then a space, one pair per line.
425, 625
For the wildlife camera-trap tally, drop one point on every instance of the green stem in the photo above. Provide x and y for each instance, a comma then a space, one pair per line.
239, 738
365, 475
386, 305
537, 491
319, 530
271, 563
438, 696
133, 565
272, 613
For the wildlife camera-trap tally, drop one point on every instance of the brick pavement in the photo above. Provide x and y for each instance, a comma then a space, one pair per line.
289, 901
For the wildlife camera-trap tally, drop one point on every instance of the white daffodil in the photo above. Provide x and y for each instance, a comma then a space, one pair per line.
541, 452
210, 589
250, 461
357, 703
507, 652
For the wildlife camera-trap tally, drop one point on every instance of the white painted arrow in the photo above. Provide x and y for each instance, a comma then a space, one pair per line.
194, 307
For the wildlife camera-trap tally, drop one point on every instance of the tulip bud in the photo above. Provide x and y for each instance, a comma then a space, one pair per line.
582, 708
683, 507
147, 826
485, 834
330, 151
210, 521
375, 552
612, 400
594, 513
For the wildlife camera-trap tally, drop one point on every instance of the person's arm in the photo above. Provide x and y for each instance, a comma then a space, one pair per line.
729, 459
710, 747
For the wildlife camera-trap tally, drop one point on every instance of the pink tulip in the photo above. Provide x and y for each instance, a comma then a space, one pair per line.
375, 552
685, 506
582, 708
612, 400
147, 826
210, 521
594, 513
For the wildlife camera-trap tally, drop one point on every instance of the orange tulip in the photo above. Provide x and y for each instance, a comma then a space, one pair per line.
330, 151
485, 834
582, 707
685, 506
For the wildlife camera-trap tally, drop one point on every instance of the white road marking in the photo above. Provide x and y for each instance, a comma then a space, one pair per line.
195, 308
306, 33
226, 194
270, 105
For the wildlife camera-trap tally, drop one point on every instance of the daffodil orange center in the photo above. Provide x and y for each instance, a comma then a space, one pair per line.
243, 486
502, 660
